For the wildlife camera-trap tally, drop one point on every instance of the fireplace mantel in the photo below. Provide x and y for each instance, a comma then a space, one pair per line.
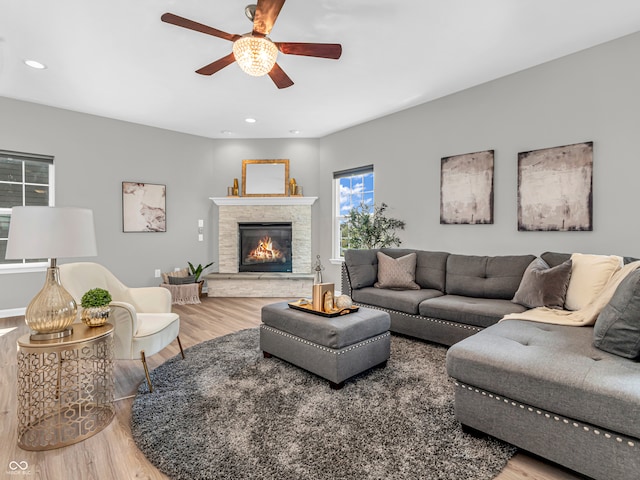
250, 201
233, 211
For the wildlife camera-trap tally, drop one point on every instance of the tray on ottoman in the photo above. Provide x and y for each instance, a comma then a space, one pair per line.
307, 306
334, 348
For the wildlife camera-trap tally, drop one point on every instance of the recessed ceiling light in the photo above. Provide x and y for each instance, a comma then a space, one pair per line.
35, 64
250, 120
226, 132
295, 132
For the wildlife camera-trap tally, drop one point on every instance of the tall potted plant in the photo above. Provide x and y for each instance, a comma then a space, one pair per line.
197, 271
365, 228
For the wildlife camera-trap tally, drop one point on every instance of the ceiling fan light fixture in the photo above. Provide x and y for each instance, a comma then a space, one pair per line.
256, 56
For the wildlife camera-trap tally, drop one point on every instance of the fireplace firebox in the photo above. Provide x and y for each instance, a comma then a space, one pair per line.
264, 247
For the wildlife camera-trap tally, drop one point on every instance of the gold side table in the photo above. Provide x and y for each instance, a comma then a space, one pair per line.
65, 387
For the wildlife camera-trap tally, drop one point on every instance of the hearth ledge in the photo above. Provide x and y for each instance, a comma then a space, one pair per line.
259, 284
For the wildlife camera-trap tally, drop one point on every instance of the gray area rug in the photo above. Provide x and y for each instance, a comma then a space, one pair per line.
227, 413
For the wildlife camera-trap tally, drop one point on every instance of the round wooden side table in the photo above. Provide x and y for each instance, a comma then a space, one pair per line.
65, 387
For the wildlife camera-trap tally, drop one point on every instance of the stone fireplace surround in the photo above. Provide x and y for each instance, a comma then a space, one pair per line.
233, 210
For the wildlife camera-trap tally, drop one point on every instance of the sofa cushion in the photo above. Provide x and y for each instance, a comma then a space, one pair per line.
406, 301
480, 312
617, 329
397, 273
362, 267
589, 275
542, 286
555, 258
554, 368
431, 267
486, 277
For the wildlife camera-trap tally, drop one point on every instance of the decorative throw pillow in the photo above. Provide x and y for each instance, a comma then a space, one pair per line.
542, 286
589, 275
617, 329
397, 273
183, 272
181, 280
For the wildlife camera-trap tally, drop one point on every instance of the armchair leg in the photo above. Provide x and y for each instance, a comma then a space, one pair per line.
180, 344
146, 370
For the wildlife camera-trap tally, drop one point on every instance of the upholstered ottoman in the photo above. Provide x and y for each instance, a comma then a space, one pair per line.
333, 348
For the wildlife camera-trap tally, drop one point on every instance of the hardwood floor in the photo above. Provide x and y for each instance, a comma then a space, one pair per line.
112, 453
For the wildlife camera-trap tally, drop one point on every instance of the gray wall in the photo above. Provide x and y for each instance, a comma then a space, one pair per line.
93, 155
589, 96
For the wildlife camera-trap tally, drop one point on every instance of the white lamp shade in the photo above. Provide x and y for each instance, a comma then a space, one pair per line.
51, 232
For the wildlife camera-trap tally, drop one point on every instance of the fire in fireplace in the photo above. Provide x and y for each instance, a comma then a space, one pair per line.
264, 247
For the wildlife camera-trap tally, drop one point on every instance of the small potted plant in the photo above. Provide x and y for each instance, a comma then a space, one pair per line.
95, 307
197, 271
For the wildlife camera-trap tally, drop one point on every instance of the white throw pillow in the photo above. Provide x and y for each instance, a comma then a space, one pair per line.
589, 275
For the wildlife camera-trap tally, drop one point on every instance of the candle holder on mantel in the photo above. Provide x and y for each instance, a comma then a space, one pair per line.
235, 190
294, 190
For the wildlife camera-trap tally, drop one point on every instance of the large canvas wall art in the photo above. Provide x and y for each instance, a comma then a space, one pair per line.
143, 207
466, 188
555, 188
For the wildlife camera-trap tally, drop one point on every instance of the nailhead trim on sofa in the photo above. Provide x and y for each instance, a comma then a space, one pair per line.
327, 349
433, 320
547, 415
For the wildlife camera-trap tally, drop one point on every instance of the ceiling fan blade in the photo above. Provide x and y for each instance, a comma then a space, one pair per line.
323, 50
280, 78
217, 65
267, 12
198, 27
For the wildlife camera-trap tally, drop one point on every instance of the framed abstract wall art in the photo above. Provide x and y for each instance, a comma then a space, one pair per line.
466, 188
555, 188
143, 207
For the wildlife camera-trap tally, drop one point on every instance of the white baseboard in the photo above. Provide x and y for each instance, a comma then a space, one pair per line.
12, 312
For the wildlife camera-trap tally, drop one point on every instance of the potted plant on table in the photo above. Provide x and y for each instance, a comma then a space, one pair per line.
95, 307
197, 271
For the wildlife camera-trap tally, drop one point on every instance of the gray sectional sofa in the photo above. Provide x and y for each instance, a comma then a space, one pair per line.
459, 295
544, 388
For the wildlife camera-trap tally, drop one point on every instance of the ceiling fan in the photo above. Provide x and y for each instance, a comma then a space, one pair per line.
254, 52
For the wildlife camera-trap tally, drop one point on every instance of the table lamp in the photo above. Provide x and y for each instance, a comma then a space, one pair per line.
51, 232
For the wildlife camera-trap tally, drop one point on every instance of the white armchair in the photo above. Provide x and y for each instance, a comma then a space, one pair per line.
142, 318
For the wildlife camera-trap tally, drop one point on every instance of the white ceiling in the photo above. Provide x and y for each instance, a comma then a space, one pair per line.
115, 58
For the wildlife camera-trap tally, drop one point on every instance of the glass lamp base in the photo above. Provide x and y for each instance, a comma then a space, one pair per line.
52, 311
52, 336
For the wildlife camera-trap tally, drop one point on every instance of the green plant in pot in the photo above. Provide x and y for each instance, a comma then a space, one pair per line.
197, 271
95, 307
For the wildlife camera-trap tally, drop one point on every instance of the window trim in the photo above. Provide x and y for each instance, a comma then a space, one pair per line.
335, 229
32, 267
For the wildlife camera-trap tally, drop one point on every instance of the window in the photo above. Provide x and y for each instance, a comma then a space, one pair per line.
25, 179
352, 188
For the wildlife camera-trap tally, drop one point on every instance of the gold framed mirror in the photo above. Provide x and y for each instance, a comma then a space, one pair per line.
265, 178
